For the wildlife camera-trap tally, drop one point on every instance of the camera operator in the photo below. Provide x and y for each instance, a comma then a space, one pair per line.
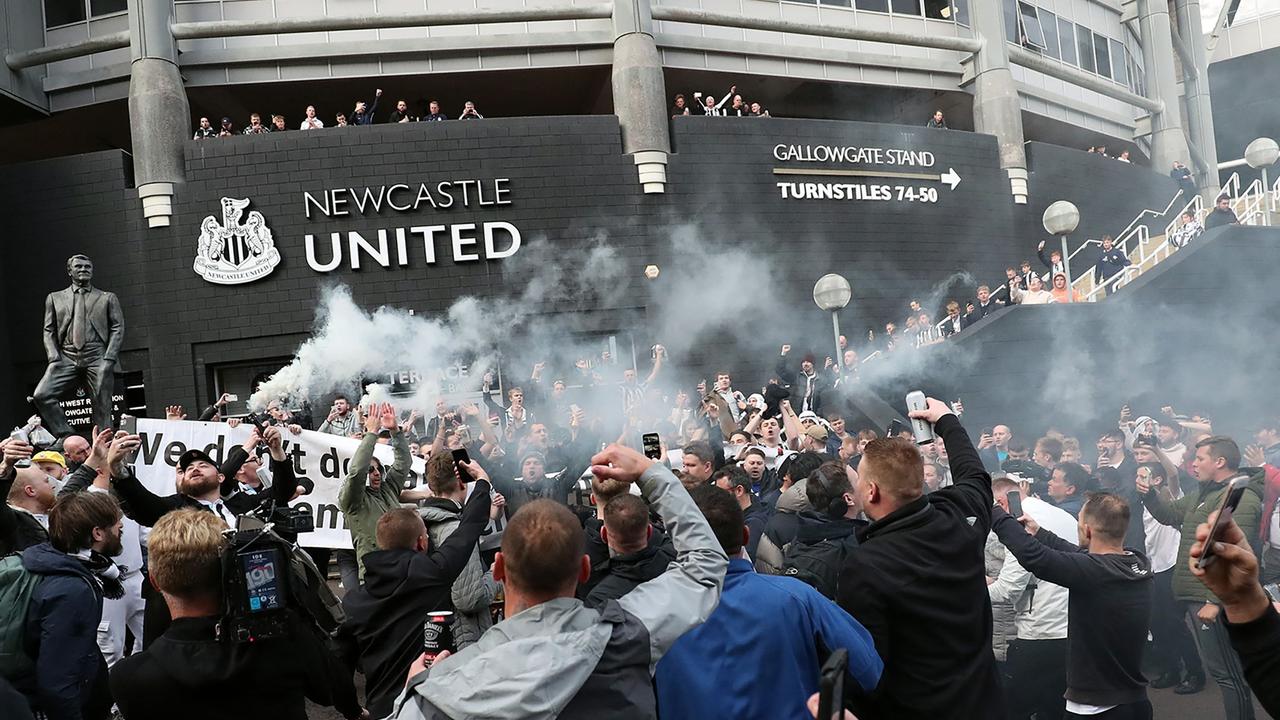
190, 672
407, 579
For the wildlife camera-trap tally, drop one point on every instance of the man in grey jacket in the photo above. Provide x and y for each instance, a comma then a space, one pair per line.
475, 587
553, 657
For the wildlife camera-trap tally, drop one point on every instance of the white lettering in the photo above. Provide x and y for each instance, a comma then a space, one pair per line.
391, 201
428, 234
458, 241
500, 189
335, 240
378, 254
308, 200
492, 253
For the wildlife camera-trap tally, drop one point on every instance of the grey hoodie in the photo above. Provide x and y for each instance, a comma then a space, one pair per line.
475, 587
561, 659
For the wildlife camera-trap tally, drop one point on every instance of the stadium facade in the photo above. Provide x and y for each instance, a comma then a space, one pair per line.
580, 145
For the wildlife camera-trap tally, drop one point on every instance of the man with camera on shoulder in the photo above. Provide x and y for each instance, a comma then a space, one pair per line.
197, 669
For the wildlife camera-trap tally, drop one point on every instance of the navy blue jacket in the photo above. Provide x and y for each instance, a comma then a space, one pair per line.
1111, 263
762, 621
61, 632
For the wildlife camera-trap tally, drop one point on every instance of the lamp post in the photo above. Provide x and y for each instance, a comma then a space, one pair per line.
1262, 154
832, 293
1061, 219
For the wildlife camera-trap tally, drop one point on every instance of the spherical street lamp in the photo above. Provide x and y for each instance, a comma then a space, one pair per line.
1061, 219
1263, 153
832, 293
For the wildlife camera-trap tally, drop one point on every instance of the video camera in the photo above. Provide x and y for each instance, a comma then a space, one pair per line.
291, 521
264, 579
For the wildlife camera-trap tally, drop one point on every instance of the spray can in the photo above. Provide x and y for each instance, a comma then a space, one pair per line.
920, 428
437, 635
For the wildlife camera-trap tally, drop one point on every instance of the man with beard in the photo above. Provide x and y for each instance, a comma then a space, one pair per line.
370, 489
807, 387
534, 482
67, 675
24, 517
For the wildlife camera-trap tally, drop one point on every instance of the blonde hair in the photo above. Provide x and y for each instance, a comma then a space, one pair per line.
184, 553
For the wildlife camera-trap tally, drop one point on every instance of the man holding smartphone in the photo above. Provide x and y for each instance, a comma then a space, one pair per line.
1217, 460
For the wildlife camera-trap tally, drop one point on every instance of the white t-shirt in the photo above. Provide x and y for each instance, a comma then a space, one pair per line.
1162, 542
1274, 537
311, 124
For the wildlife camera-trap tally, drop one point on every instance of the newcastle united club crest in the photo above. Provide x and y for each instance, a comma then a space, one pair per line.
234, 252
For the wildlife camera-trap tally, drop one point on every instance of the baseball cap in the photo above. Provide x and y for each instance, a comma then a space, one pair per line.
49, 456
817, 432
226, 120
194, 455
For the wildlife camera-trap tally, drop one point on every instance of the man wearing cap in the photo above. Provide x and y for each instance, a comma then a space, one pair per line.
52, 463
226, 130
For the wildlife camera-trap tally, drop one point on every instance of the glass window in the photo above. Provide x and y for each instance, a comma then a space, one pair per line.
962, 11
838, 3
906, 7
938, 9
1050, 23
1032, 33
1103, 52
1119, 63
873, 5
1084, 45
106, 7
1067, 38
61, 12
1011, 21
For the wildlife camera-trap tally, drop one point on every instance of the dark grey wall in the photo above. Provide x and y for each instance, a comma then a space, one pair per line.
570, 186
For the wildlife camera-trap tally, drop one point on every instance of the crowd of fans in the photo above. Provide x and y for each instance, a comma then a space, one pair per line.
731, 105
362, 113
710, 576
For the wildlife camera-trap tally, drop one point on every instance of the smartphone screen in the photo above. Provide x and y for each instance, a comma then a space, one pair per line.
652, 445
831, 686
1230, 499
1015, 503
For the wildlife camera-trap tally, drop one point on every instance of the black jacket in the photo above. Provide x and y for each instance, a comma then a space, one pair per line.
598, 552
918, 584
187, 673
18, 530
625, 572
1219, 217
1107, 615
283, 483
401, 587
797, 382
1257, 642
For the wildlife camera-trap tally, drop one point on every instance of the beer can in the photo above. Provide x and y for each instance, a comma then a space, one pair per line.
437, 635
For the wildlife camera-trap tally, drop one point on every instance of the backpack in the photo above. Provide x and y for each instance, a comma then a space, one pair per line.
818, 563
16, 587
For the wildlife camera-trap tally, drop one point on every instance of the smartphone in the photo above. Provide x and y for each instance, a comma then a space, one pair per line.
986, 432
460, 456
1230, 499
1015, 503
232, 397
894, 429
129, 424
831, 686
652, 445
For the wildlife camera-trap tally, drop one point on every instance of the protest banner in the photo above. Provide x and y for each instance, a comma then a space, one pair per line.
324, 459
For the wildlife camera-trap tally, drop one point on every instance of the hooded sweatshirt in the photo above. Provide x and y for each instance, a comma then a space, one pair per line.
475, 587
61, 632
560, 659
401, 588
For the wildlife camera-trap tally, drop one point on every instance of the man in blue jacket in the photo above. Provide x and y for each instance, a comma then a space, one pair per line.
68, 674
763, 621
1112, 261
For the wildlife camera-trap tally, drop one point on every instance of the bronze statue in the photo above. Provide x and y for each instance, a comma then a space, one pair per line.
83, 331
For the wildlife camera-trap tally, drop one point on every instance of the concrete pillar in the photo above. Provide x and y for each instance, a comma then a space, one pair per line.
1167, 141
1196, 92
639, 93
159, 115
995, 96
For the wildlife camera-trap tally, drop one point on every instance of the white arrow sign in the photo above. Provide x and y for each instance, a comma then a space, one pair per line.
951, 178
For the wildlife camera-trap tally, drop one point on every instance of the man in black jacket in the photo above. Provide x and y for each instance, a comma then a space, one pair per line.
241, 485
1222, 214
736, 480
403, 583
1109, 608
24, 518
632, 559
917, 581
191, 673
